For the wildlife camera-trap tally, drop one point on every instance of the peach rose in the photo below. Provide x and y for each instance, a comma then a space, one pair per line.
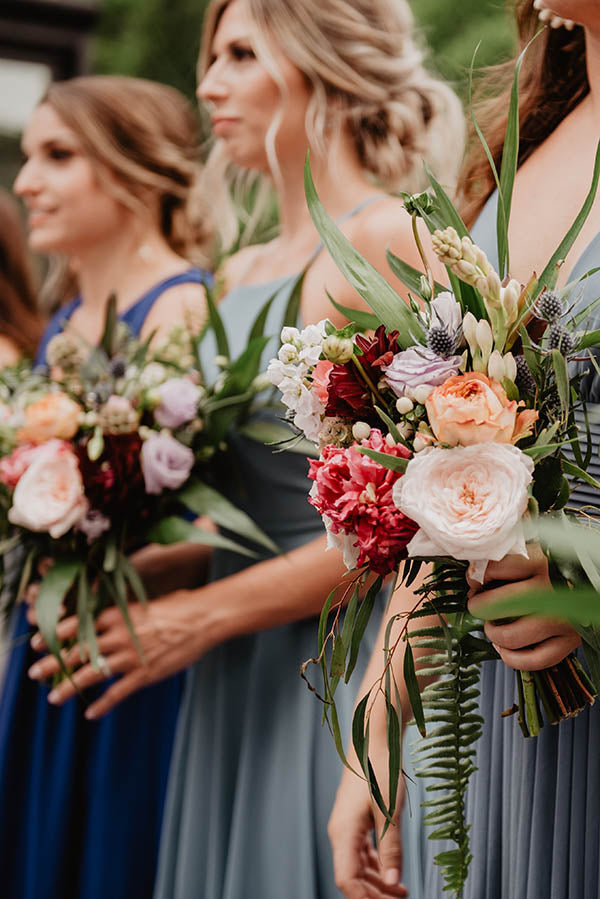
473, 408
54, 415
49, 495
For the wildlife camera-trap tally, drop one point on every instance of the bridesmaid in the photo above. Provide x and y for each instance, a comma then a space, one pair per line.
109, 181
533, 804
254, 772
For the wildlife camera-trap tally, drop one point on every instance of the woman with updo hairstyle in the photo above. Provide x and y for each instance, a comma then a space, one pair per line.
110, 182
532, 804
254, 772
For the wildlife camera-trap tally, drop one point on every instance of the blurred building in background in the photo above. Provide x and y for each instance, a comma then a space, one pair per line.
40, 40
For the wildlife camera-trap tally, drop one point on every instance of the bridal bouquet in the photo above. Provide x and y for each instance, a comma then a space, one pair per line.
110, 450
447, 433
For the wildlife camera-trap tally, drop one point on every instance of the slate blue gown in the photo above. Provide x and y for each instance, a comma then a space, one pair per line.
254, 771
81, 802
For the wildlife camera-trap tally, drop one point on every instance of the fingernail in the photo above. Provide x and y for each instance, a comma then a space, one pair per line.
53, 696
90, 714
36, 641
392, 876
35, 672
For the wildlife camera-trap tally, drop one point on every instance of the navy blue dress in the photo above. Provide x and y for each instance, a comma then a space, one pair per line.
81, 802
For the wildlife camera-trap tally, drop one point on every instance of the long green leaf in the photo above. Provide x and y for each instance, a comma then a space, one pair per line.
362, 619
390, 308
176, 530
582, 605
561, 372
134, 580
550, 273
111, 319
205, 500
590, 339
412, 685
508, 170
577, 472
409, 276
55, 585
366, 321
394, 463
86, 632
217, 325
292, 310
258, 328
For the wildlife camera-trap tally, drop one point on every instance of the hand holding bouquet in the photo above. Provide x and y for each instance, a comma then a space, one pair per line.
107, 452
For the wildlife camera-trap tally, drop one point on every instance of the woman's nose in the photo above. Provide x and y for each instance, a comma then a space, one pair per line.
28, 180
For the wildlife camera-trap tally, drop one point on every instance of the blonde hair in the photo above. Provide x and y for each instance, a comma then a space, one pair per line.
142, 138
367, 74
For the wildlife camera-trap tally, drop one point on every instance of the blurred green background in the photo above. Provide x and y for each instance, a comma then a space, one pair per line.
159, 38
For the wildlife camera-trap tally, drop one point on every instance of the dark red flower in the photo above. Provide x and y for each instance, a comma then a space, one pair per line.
114, 483
349, 394
355, 494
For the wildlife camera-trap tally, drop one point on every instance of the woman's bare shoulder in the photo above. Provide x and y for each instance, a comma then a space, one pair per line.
9, 351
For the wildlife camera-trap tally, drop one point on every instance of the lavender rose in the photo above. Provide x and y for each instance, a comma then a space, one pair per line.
165, 463
418, 366
178, 402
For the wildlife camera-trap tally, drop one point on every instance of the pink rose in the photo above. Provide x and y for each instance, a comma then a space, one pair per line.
166, 463
49, 495
14, 466
178, 402
472, 408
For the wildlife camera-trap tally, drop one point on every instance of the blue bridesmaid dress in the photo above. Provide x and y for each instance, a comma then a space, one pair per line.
81, 802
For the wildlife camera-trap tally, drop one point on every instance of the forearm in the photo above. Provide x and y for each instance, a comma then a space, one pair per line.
402, 602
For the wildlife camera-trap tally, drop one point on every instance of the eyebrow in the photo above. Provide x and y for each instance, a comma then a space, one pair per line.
54, 141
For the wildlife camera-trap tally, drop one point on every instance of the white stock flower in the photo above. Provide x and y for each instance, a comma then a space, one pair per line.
469, 502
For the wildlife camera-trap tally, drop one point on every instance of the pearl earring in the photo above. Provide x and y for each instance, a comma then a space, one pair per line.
145, 252
546, 16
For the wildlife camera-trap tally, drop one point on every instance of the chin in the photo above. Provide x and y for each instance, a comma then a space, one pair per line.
40, 242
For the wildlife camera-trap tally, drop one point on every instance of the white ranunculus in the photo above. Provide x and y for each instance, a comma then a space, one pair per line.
49, 496
468, 501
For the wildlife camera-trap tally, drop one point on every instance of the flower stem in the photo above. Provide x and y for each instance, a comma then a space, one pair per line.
420, 248
367, 380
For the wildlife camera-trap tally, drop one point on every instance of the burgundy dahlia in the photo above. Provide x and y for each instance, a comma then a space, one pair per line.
349, 393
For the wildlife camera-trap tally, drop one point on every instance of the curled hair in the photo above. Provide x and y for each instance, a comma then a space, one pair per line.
20, 318
142, 138
553, 81
368, 79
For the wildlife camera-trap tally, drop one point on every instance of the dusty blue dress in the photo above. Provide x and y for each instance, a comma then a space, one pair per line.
81, 801
533, 805
254, 772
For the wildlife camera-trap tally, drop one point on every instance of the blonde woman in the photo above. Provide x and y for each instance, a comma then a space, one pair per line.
109, 182
254, 773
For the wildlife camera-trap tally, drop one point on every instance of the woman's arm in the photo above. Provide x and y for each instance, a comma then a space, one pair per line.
355, 816
176, 630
